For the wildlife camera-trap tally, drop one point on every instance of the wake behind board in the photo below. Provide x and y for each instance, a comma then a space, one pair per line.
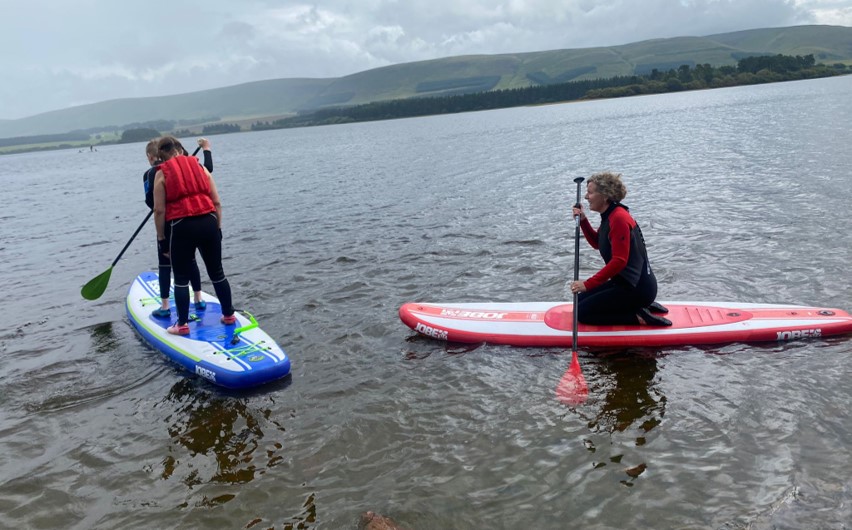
210, 350
551, 324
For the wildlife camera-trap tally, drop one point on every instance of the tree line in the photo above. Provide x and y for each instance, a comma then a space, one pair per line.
131, 132
144, 134
749, 71
75, 136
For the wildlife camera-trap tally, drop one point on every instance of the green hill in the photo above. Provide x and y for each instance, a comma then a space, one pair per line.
446, 76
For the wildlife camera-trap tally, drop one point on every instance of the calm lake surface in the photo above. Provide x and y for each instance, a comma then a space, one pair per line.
743, 195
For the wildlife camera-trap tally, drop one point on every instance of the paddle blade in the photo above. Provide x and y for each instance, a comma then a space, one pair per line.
96, 286
572, 389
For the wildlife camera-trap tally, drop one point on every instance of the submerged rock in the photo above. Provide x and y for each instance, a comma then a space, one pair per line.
374, 521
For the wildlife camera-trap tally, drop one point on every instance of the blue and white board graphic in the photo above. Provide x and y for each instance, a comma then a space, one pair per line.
211, 349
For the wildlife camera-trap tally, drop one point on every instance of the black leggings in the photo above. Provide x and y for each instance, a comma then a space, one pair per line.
616, 302
165, 267
188, 235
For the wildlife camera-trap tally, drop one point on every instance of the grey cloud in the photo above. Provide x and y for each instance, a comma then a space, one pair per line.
120, 49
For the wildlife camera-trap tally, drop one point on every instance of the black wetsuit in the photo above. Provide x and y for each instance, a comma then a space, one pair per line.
200, 233
192, 214
626, 284
164, 263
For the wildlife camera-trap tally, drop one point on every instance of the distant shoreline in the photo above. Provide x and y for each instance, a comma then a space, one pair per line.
750, 71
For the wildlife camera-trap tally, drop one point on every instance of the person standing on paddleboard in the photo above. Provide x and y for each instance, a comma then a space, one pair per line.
185, 197
165, 265
623, 291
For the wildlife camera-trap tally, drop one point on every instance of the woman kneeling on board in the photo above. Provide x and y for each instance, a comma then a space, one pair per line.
185, 196
623, 291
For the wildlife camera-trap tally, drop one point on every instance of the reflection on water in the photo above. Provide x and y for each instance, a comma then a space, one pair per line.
240, 441
221, 439
629, 400
626, 380
103, 338
420, 347
333, 228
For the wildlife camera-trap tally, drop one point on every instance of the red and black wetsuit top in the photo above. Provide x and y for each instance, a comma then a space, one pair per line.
621, 244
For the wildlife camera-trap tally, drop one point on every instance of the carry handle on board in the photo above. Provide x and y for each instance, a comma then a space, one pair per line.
242, 329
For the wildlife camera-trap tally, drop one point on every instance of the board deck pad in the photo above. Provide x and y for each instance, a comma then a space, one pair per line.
551, 324
562, 317
211, 350
208, 326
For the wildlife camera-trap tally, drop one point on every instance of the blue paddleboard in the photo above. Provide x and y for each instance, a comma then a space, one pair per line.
234, 356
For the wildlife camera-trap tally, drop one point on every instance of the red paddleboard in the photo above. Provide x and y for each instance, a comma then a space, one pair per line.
550, 324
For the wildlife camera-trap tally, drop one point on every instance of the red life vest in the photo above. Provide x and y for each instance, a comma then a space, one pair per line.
187, 188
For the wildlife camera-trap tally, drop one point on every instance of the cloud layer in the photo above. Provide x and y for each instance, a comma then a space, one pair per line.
60, 54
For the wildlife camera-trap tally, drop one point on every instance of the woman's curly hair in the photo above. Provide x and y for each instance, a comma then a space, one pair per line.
609, 185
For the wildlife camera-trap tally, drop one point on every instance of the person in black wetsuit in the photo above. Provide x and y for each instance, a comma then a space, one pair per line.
623, 291
165, 266
185, 197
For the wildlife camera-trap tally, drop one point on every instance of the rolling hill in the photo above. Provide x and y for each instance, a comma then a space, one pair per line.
451, 75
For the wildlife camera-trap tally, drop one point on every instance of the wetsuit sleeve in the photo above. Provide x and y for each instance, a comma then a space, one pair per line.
148, 179
590, 233
619, 240
208, 160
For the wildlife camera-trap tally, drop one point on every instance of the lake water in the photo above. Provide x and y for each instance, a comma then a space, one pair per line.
743, 195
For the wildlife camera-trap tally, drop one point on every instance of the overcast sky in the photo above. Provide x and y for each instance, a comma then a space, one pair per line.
60, 53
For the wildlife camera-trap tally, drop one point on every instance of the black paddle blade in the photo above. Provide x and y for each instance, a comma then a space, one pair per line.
96, 286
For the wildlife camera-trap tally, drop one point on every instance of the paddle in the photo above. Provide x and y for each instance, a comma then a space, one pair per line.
572, 388
97, 285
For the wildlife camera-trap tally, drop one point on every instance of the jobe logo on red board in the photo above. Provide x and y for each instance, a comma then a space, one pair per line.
799, 334
430, 332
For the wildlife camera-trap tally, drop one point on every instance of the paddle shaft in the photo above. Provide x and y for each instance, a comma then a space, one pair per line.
150, 212
578, 180
95, 287
572, 389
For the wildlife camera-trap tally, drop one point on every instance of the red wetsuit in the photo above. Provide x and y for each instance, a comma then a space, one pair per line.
626, 283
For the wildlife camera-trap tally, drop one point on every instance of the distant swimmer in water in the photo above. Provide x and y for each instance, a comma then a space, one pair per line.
623, 291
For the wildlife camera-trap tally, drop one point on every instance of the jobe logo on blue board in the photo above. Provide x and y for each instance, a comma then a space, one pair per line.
205, 373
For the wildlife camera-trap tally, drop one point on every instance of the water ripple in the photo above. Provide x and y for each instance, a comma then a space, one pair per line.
741, 194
